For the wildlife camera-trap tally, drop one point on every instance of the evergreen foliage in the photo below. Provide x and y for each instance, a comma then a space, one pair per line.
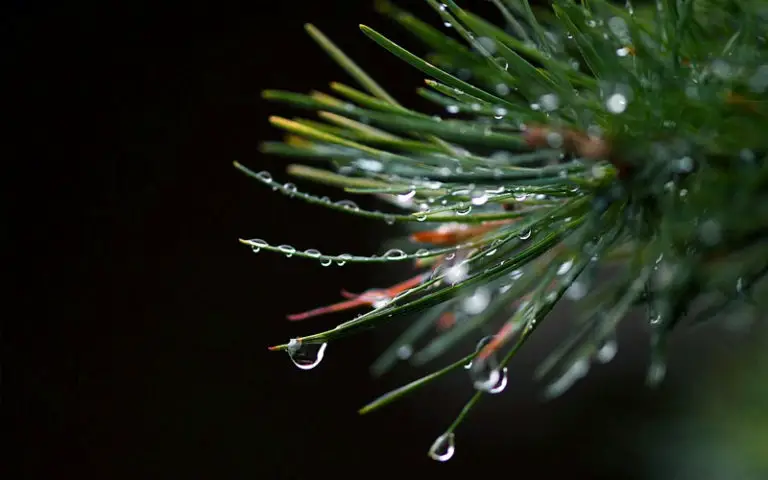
584, 139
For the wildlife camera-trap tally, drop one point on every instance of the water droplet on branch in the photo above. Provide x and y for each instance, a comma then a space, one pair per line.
443, 448
306, 356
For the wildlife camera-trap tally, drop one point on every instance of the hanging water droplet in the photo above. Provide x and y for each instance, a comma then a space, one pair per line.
420, 217
576, 291
477, 302
288, 250
326, 261
395, 254
480, 345
443, 448
656, 372
499, 113
486, 374
478, 197
342, 259
312, 253
257, 244
502, 383
306, 356
456, 273
565, 267
607, 350
389, 219
576, 371
526, 234
403, 197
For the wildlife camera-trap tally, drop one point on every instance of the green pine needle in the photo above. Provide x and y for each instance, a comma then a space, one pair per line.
588, 139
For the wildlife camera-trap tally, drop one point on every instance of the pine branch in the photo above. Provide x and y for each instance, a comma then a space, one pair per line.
592, 138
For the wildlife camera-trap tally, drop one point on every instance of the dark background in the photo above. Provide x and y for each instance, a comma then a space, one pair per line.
139, 348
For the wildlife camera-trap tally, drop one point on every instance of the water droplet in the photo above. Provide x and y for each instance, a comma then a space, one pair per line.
502, 383
656, 372
758, 82
287, 250
499, 113
623, 52
478, 197
480, 345
347, 204
576, 291
443, 448
463, 209
710, 232
290, 189
326, 261
554, 139
404, 352
389, 219
312, 253
380, 299
565, 267
526, 234
422, 252
619, 28
342, 259
607, 350
447, 24
306, 356
616, 103
477, 302
502, 89
265, 176
403, 197
395, 254
488, 44
576, 371
549, 102
486, 374
457, 273
257, 244
502, 62
721, 69
516, 274
369, 165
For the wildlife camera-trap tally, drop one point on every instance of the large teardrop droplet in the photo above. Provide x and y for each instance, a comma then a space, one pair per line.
306, 356
443, 448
